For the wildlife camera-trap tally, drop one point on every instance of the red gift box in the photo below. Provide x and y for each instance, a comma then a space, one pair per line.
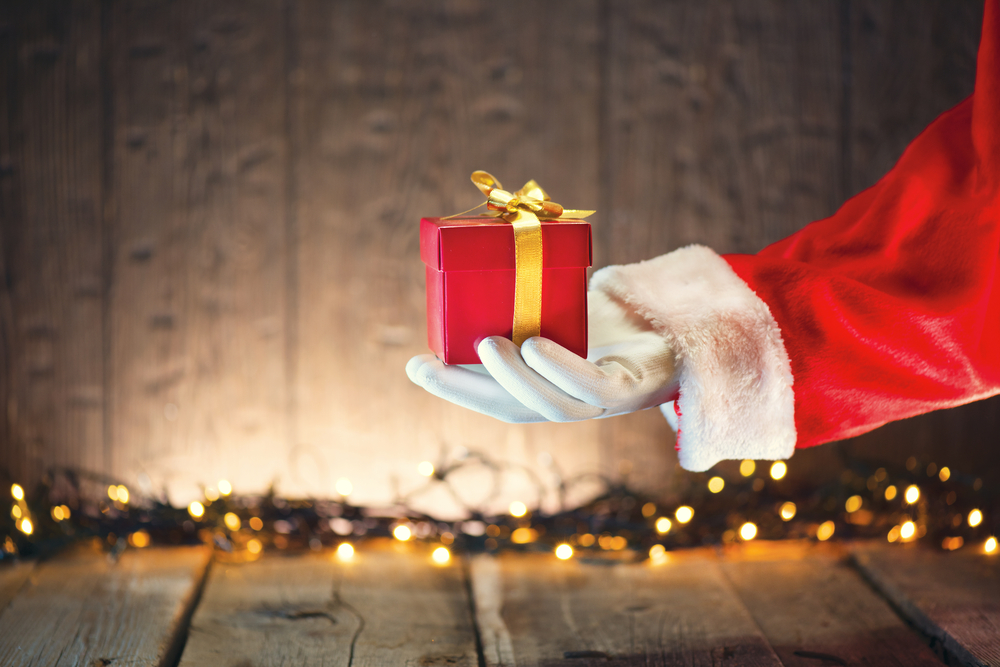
470, 283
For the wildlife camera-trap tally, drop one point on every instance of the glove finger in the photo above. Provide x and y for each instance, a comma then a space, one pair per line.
503, 360
469, 389
624, 376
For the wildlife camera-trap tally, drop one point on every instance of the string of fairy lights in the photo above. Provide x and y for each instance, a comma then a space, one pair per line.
923, 502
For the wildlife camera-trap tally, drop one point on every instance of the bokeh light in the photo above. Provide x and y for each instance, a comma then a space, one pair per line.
684, 514
648, 510
344, 486
425, 468
907, 530
139, 539
658, 554
254, 546
748, 531
256, 523
853, 504
787, 511
196, 509
975, 518
564, 552
825, 531
518, 509
225, 488
890, 492
663, 525
944, 474
991, 546
778, 470
747, 467
402, 532
17, 491
912, 494
441, 556
26, 526
716, 484
345, 551
232, 521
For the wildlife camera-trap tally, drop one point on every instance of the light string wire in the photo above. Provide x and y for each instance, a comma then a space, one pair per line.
950, 510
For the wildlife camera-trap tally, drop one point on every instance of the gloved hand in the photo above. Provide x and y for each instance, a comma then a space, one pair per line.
629, 367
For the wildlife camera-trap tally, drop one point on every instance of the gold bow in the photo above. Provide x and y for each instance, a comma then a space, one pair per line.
524, 210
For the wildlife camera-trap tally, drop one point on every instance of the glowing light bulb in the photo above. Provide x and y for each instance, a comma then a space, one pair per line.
564, 552
853, 504
517, 508
787, 511
254, 546
778, 470
232, 521
944, 474
25, 526
425, 468
716, 484
748, 531
225, 488
139, 539
890, 492
402, 533
196, 509
975, 518
344, 486
991, 545
17, 491
825, 531
345, 551
907, 530
684, 514
441, 555
747, 467
122, 494
912, 494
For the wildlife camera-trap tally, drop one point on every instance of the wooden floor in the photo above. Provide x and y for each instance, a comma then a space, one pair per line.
758, 604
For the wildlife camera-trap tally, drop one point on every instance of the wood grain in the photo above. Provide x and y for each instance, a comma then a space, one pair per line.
535, 610
954, 597
390, 118
81, 608
51, 235
813, 604
389, 606
198, 306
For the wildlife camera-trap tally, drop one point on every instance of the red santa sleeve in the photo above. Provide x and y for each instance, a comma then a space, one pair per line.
888, 309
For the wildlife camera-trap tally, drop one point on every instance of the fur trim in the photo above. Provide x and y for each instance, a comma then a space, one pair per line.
736, 399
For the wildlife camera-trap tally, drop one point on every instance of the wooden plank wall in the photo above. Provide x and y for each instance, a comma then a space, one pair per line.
208, 210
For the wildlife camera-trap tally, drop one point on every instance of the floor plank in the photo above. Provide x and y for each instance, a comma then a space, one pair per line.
953, 597
389, 606
535, 610
12, 578
812, 606
83, 609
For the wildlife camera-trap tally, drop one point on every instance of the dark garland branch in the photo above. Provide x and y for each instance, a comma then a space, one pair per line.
70, 505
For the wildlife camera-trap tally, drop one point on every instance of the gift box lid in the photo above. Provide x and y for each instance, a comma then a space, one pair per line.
487, 244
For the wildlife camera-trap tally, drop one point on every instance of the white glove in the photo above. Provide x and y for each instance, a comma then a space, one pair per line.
629, 367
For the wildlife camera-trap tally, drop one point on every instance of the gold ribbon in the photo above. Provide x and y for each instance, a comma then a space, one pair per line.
524, 210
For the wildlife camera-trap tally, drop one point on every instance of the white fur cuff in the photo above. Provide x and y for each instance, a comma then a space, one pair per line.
736, 399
